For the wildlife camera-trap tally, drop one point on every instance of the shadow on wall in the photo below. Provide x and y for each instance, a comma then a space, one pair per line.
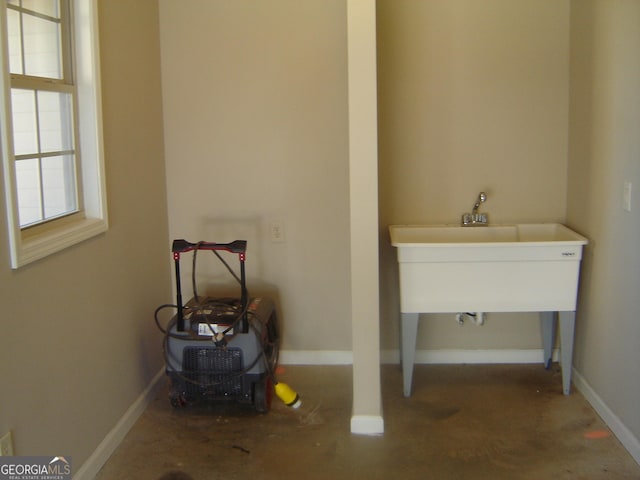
389, 292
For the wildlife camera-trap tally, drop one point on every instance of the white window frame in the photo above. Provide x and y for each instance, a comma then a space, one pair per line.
29, 245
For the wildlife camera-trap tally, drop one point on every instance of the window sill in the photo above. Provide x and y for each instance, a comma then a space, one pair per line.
28, 250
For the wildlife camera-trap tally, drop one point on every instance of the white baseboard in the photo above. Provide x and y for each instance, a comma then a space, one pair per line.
367, 425
316, 357
628, 439
98, 458
345, 357
458, 356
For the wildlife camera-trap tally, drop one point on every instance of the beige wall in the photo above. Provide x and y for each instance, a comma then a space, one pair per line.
256, 129
78, 344
473, 96
604, 153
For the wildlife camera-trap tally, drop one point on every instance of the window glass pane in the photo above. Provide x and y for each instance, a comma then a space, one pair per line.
56, 121
41, 47
58, 184
23, 106
46, 7
15, 41
29, 199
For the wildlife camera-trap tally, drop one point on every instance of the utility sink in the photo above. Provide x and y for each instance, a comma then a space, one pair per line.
495, 268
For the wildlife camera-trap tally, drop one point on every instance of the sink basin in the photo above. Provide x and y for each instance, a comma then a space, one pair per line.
497, 268
418, 235
444, 234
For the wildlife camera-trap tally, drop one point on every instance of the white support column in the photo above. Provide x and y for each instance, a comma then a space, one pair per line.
363, 178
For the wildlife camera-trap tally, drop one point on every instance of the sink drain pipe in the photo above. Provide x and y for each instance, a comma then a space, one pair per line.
477, 318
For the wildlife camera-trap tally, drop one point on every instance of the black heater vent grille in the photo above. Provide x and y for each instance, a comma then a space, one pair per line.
212, 360
214, 372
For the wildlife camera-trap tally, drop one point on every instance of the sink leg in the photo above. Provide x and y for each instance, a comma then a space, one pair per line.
567, 327
548, 322
409, 327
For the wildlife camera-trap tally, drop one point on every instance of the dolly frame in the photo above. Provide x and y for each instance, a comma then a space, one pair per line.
237, 246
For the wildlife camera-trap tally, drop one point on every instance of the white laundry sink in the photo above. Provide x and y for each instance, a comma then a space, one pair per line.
495, 268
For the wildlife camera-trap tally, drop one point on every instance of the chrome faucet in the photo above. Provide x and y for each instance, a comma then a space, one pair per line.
475, 219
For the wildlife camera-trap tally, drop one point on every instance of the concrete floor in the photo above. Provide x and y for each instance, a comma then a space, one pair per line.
462, 422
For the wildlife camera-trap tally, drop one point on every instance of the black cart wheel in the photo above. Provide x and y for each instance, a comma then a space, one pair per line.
262, 395
177, 400
272, 346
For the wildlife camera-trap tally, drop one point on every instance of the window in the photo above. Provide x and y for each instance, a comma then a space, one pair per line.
51, 126
42, 105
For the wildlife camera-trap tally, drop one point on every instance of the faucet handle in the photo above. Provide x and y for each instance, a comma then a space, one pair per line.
481, 219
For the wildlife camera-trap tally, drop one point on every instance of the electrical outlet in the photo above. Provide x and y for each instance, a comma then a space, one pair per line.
277, 231
6, 445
